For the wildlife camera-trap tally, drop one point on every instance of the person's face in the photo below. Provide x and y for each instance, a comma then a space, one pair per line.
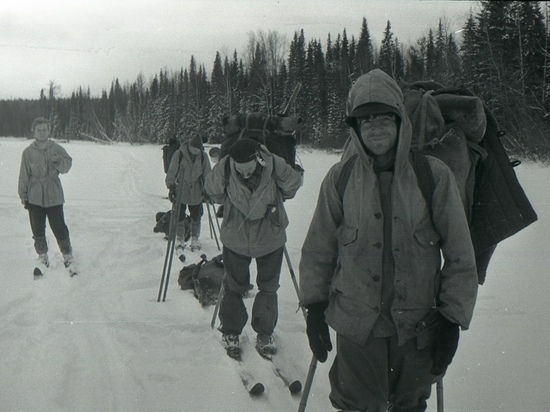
41, 132
246, 169
193, 150
378, 132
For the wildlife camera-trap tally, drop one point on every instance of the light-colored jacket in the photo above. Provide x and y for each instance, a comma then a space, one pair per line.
254, 223
39, 182
342, 253
188, 174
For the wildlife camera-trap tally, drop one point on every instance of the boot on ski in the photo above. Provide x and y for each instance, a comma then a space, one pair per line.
195, 244
44, 259
265, 346
180, 244
232, 346
68, 261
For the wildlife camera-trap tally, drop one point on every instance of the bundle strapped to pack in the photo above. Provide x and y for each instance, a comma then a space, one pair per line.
455, 126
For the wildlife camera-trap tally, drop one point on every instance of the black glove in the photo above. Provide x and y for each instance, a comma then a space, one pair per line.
172, 193
317, 330
445, 345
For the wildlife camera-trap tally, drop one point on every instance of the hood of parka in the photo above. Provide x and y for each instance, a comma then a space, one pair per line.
377, 87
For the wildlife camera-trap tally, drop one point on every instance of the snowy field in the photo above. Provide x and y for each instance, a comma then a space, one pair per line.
101, 342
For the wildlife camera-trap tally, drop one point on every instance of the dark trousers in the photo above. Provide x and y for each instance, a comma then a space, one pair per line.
381, 374
195, 213
233, 315
56, 219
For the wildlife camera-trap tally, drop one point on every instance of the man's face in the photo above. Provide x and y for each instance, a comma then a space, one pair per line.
41, 132
194, 151
246, 169
379, 132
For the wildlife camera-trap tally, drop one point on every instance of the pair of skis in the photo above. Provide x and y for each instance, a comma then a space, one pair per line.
255, 387
38, 273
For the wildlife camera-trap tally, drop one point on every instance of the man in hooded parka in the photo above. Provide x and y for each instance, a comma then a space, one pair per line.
371, 264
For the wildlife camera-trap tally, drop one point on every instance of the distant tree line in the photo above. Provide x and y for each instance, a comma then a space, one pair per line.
503, 56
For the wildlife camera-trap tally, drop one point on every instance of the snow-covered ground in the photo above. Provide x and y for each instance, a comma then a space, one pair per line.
102, 342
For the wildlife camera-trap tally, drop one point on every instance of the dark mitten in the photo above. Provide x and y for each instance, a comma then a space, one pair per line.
317, 330
172, 193
445, 345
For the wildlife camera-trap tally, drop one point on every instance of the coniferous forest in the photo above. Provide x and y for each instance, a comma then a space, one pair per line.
502, 54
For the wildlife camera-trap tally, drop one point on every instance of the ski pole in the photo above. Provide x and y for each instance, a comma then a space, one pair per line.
212, 228
293, 277
313, 363
216, 215
439, 393
307, 386
217, 308
168, 257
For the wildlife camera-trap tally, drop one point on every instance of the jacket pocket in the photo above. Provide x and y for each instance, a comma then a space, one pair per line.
427, 237
427, 328
346, 234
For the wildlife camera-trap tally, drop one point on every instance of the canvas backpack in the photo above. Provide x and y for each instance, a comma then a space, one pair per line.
455, 126
204, 278
276, 133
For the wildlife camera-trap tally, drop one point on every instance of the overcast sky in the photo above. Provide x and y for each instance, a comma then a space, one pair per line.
89, 43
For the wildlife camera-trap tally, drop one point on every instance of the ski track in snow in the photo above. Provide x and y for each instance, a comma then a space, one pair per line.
102, 342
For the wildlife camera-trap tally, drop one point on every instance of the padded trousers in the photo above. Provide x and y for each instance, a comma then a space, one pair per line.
233, 314
381, 375
56, 219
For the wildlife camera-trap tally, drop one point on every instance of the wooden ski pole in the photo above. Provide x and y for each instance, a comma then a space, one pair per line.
169, 256
212, 228
439, 393
217, 308
307, 386
313, 363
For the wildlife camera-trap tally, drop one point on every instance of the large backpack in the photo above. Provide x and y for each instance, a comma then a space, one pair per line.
204, 278
277, 133
455, 126
466, 136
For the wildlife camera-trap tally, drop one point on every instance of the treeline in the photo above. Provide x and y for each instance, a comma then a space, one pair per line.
503, 57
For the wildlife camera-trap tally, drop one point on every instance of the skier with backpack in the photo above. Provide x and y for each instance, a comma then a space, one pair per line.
168, 151
252, 184
188, 169
371, 262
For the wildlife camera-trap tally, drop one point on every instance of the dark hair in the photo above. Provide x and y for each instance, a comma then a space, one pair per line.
215, 151
39, 120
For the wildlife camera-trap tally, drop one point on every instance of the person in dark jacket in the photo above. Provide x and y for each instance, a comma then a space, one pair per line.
185, 180
371, 263
168, 151
41, 192
252, 184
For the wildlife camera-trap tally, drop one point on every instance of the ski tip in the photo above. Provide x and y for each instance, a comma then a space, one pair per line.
257, 389
295, 387
37, 273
